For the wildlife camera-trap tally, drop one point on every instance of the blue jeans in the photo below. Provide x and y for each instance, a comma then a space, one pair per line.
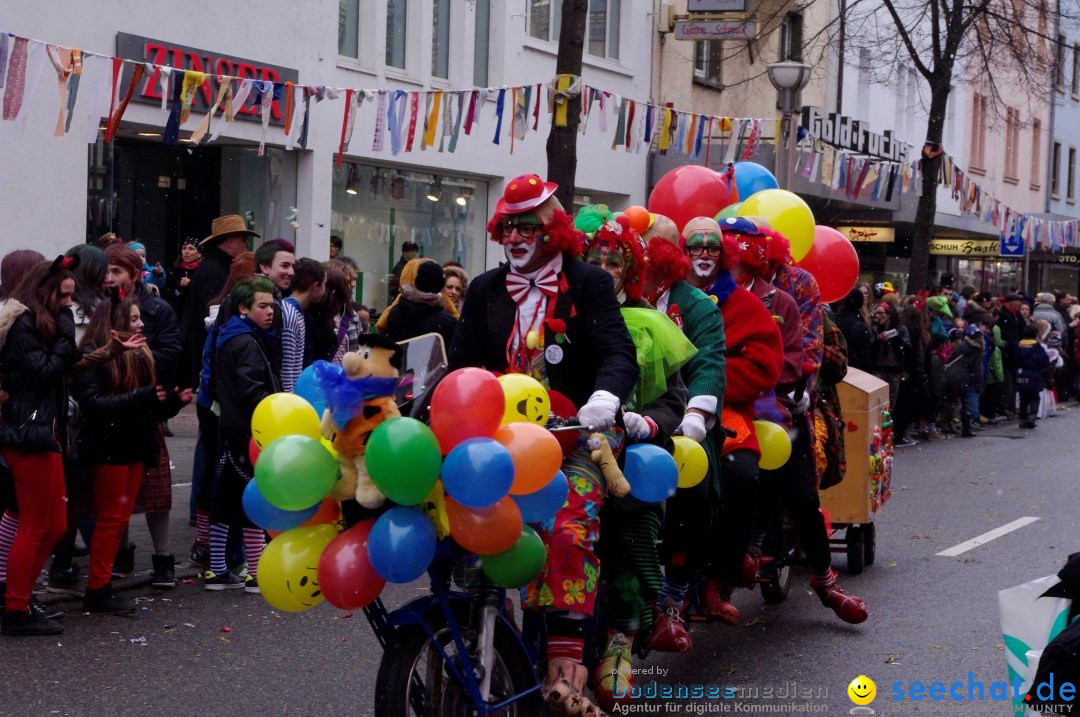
973, 402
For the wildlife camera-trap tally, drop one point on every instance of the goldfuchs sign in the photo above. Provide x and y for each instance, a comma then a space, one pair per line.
882, 235
851, 134
161, 52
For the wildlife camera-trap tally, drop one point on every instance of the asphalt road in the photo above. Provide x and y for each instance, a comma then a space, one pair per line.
190, 652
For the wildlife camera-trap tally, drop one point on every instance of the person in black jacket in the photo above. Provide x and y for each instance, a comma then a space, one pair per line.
243, 361
34, 362
549, 315
121, 404
177, 292
1031, 361
421, 307
228, 239
856, 333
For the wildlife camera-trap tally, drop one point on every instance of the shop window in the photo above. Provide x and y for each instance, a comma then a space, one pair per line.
1036, 152
396, 21
1071, 186
481, 43
791, 37
1055, 171
440, 39
603, 28
708, 63
978, 133
862, 92
545, 19
348, 41
1012, 142
445, 215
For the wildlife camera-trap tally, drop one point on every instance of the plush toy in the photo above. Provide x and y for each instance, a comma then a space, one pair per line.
359, 396
602, 456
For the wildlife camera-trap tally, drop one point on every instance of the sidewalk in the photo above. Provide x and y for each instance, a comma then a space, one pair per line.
185, 428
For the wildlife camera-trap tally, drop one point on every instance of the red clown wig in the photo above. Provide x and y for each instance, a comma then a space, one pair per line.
667, 263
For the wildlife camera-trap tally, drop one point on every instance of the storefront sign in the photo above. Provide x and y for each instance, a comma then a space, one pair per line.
160, 52
716, 5
722, 30
1067, 259
964, 247
847, 133
882, 235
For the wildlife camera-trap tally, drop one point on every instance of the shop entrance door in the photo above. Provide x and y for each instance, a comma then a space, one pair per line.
162, 194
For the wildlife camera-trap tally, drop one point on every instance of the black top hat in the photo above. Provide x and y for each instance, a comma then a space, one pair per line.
380, 341
1069, 587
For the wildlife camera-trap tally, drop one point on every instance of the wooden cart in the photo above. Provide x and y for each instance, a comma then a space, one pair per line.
852, 503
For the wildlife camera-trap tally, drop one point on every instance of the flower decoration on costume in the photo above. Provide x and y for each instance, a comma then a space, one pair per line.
761, 250
618, 237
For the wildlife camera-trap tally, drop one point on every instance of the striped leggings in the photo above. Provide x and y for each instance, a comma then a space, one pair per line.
631, 566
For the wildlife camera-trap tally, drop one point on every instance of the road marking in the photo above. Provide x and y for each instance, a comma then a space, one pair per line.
986, 537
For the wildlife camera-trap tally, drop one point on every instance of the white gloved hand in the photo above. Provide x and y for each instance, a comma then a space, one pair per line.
639, 427
800, 406
599, 411
693, 427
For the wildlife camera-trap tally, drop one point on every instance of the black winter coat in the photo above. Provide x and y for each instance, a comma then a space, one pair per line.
247, 377
1031, 362
409, 319
119, 429
599, 354
965, 367
858, 337
208, 281
162, 334
33, 375
177, 295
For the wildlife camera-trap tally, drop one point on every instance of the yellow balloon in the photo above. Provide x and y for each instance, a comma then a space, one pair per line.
775, 445
435, 507
289, 567
329, 446
692, 461
283, 414
526, 400
787, 213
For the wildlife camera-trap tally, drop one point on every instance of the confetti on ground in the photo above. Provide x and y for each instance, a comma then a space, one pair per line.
225, 639
346, 616
892, 659
936, 647
345, 639
138, 640
226, 629
189, 581
188, 624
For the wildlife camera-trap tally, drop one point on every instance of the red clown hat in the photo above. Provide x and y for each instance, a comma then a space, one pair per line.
524, 193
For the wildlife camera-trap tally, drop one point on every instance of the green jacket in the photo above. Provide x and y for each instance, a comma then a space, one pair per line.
996, 372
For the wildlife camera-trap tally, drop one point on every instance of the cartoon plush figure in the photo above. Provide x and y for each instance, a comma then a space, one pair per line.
359, 396
602, 456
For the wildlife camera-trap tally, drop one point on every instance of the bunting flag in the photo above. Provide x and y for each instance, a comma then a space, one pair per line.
114, 120
297, 117
449, 107
61, 61
346, 126
414, 109
619, 138
431, 124
500, 104
536, 110
3, 57
171, 135
72, 86
239, 100
265, 99
193, 81
458, 121
223, 91
380, 123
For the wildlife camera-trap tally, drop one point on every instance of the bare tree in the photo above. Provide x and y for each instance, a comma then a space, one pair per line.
562, 141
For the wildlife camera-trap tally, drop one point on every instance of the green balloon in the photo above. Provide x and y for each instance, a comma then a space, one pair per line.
519, 564
728, 211
403, 460
295, 472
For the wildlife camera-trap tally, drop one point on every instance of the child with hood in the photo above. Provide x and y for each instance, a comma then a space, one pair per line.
1031, 362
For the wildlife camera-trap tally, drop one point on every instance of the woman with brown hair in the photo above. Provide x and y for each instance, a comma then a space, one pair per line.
34, 362
121, 404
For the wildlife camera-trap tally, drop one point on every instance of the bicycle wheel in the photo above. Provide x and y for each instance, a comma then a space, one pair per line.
414, 679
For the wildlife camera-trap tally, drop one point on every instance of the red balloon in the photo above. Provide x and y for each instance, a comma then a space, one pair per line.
834, 263
563, 407
689, 191
345, 574
253, 450
468, 403
484, 531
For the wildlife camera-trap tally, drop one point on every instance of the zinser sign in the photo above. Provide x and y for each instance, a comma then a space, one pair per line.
847, 133
160, 52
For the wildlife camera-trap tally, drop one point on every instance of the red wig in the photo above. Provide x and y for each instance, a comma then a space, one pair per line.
666, 261
762, 253
618, 236
559, 232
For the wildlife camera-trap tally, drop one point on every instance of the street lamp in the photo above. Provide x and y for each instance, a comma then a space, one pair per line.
788, 78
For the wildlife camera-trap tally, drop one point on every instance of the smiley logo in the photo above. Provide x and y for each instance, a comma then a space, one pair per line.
862, 691
533, 408
307, 588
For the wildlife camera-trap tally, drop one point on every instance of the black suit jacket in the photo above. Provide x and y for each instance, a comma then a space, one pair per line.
598, 355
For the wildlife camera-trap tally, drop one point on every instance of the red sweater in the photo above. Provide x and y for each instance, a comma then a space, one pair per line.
754, 357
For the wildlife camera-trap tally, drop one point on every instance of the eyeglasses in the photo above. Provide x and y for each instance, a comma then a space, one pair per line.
699, 249
524, 230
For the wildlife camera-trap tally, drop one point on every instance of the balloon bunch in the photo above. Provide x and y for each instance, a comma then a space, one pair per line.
695, 191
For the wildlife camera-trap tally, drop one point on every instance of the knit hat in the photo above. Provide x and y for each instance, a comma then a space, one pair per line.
190, 241
617, 236
939, 304
430, 277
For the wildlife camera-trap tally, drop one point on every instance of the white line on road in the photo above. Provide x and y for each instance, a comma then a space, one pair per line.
986, 537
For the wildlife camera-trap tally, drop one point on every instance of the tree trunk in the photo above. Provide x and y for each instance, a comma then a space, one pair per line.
562, 141
926, 211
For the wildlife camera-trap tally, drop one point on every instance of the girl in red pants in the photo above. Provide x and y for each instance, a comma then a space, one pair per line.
34, 362
121, 405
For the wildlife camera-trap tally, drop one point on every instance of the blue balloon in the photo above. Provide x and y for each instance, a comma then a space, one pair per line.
309, 389
651, 471
478, 472
751, 177
401, 545
545, 503
268, 516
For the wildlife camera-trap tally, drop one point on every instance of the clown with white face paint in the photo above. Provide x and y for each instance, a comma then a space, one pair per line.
549, 315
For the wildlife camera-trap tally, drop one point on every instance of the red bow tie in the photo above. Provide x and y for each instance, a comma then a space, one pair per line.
518, 286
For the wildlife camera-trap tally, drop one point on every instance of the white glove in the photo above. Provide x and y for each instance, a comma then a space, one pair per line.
693, 427
639, 427
800, 406
599, 411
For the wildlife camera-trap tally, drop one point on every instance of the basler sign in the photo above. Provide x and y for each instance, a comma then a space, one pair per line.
160, 52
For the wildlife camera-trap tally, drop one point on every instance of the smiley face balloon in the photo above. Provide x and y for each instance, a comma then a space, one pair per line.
862, 690
526, 400
289, 567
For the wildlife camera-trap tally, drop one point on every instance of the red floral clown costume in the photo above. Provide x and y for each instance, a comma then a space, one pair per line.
547, 314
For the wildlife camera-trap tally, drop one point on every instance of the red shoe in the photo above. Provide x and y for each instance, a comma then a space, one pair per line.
748, 571
717, 607
847, 607
669, 629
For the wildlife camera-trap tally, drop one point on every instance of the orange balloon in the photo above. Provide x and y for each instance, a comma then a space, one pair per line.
536, 453
640, 219
485, 531
329, 512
